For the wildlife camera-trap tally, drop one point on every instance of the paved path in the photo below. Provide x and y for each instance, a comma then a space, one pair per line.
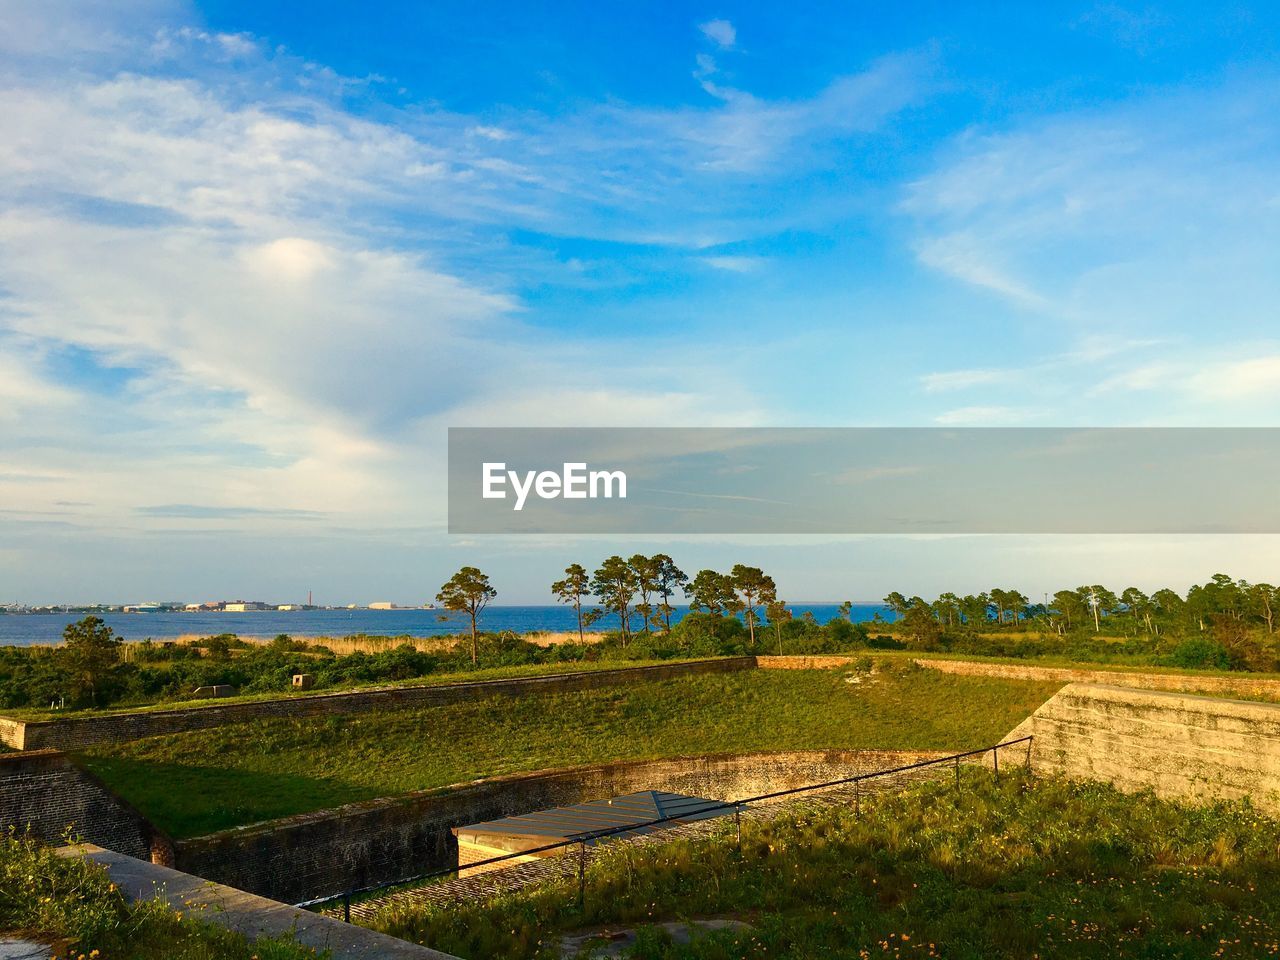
11, 949
245, 913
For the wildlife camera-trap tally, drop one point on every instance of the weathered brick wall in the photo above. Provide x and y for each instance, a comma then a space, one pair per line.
47, 794
1179, 745
320, 854
12, 733
74, 732
807, 661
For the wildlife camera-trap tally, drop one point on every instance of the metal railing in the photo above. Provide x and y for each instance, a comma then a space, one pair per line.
582, 840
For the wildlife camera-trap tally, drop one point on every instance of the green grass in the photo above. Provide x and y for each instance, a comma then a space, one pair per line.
436, 679
1006, 870
209, 780
71, 904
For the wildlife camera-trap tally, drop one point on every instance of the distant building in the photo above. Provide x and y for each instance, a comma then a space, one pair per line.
382, 605
292, 606
243, 606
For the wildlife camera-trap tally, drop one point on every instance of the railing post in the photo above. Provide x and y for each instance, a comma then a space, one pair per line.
1028, 754
957, 773
346, 908
582, 876
737, 825
857, 799
995, 760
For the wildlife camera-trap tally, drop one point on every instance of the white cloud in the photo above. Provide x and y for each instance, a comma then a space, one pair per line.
1144, 376
735, 264
868, 474
23, 390
237, 255
961, 379
1137, 221
1256, 378
1140, 233
966, 259
1205, 378
490, 132
59, 28
291, 259
980, 416
721, 32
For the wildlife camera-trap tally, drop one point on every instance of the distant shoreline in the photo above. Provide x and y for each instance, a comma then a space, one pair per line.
46, 628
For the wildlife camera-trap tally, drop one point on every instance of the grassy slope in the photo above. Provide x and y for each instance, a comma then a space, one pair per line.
435, 679
208, 780
1005, 871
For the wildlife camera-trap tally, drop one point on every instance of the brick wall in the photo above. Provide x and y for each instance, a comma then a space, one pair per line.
46, 793
1179, 745
74, 732
805, 661
319, 854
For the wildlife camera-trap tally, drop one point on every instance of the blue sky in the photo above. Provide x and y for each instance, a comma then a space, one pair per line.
253, 263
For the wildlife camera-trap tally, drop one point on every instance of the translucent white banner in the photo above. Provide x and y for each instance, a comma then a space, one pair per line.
864, 480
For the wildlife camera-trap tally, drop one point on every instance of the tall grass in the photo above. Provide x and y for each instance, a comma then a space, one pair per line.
1009, 868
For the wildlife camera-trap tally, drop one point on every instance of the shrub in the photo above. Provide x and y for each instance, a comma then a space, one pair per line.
1201, 653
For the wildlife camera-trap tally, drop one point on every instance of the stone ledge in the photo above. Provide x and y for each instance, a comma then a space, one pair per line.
245, 913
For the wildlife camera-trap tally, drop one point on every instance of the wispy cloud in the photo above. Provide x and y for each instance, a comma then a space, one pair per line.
869, 474
962, 379
1258, 377
190, 511
721, 32
982, 416
1139, 219
735, 264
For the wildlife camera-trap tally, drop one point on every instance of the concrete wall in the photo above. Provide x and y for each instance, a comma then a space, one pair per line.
253, 917
319, 854
1240, 685
48, 795
71, 733
1179, 745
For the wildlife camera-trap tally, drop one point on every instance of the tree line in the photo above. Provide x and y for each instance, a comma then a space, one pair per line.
1223, 623
1130, 611
639, 591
